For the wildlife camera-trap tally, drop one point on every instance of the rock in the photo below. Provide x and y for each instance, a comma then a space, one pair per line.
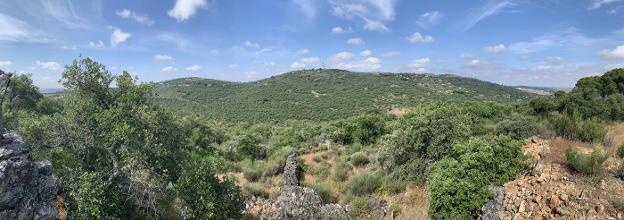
27, 188
333, 212
291, 171
295, 202
554, 201
562, 211
494, 207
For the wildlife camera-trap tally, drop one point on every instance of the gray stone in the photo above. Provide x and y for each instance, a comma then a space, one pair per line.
27, 188
494, 207
291, 171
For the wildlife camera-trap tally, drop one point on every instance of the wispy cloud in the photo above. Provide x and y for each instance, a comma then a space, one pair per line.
616, 53
307, 7
193, 68
49, 65
596, 4
491, 8
163, 57
355, 41
496, 49
419, 38
429, 19
372, 12
141, 19
18, 31
340, 30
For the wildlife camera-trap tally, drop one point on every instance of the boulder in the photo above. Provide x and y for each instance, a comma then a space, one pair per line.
295, 202
27, 188
291, 171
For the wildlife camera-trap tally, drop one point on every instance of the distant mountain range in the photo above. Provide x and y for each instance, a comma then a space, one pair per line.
325, 94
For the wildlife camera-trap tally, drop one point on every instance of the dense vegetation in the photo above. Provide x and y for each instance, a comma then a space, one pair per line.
122, 156
321, 94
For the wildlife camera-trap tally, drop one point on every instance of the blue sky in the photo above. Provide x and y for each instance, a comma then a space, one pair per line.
512, 42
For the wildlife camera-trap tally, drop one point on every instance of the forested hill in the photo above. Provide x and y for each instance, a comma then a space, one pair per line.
321, 94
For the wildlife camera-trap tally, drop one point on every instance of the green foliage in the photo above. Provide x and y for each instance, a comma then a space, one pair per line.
341, 171
341, 94
423, 136
620, 151
364, 183
587, 164
574, 127
543, 105
324, 192
518, 127
458, 185
96, 198
205, 195
359, 159
393, 186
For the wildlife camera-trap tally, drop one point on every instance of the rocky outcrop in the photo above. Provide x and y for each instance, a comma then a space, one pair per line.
27, 188
291, 171
552, 191
294, 201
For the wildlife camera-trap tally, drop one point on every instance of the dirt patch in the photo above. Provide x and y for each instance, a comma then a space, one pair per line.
398, 111
412, 204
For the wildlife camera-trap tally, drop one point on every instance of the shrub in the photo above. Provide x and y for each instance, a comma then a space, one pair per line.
517, 127
359, 159
95, 197
620, 151
205, 195
252, 173
574, 127
321, 170
359, 206
364, 183
341, 171
393, 186
620, 172
324, 192
457, 189
587, 164
256, 189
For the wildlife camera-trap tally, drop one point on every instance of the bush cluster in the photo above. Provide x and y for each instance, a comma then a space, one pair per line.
587, 164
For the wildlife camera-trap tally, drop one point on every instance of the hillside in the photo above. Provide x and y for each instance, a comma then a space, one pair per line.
321, 94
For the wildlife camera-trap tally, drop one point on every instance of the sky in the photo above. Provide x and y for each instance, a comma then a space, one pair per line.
549, 43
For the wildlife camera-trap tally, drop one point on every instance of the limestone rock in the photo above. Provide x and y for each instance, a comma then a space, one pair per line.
291, 171
27, 188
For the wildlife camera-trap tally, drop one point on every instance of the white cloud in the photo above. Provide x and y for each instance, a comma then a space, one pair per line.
5, 63
311, 60
194, 68
429, 19
141, 19
616, 53
184, 9
355, 41
417, 38
553, 60
16, 30
307, 7
118, 37
169, 69
568, 39
372, 12
232, 66
253, 45
269, 63
468, 56
50, 65
368, 64
302, 51
420, 65
372, 25
366, 53
341, 57
391, 54
96, 44
491, 8
214, 52
163, 57
297, 65
496, 49
340, 30
596, 4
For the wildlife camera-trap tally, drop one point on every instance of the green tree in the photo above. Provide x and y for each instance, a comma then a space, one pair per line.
205, 195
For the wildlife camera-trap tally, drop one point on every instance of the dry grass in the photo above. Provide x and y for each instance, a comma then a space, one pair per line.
398, 111
413, 203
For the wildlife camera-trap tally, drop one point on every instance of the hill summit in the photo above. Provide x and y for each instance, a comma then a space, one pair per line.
321, 94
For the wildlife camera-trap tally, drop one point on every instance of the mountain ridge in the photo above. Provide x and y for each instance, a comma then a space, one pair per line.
321, 94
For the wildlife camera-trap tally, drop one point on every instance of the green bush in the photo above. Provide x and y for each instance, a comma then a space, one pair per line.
620, 151
320, 170
256, 189
574, 127
364, 183
519, 127
341, 171
205, 195
359, 206
393, 186
324, 192
587, 164
96, 197
359, 159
